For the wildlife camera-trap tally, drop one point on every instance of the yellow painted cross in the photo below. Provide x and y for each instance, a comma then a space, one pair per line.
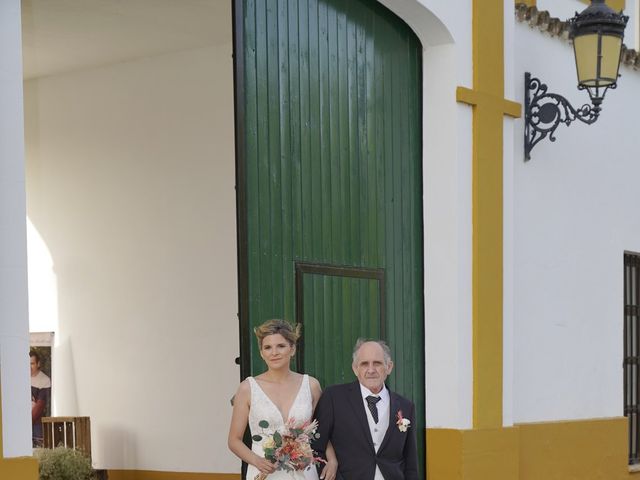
489, 108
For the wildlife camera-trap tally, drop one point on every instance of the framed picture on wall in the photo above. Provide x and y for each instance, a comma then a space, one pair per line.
40, 363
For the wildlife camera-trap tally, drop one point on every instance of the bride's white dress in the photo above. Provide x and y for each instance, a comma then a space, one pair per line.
262, 408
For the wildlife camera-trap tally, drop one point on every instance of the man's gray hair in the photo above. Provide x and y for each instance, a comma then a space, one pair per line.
385, 348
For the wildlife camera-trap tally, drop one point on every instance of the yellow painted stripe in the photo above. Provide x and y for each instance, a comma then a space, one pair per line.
489, 106
488, 81
473, 97
152, 475
444, 454
473, 454
24, 468
581, 449
528, 3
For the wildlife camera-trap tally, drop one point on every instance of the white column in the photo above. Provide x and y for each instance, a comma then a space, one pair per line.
447, 182
14, 319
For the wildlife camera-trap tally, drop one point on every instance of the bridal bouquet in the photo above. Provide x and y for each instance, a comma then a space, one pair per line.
290, 448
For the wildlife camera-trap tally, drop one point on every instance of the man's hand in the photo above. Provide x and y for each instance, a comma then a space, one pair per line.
329, 471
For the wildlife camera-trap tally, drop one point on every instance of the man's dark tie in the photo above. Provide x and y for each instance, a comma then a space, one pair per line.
371, 403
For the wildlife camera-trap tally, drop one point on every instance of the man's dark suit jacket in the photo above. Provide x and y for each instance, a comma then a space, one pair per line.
343, 421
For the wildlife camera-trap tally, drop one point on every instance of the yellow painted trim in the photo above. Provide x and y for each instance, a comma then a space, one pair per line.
473, 97
617, 5
488, 92
444, 454
489, 107
528, 3
23, 468
591, 449
473, 454
151, 475
584, 449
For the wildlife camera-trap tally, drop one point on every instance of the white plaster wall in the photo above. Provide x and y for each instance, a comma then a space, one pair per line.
14, 332
117, 257
632, 35
447, 150
444, 28
131, 188
565, 9
575, 213
447, 234
456, 18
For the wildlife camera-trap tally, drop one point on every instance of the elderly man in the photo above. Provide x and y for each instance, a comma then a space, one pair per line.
370, 427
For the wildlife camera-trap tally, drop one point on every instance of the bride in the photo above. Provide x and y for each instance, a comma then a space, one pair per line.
276, 396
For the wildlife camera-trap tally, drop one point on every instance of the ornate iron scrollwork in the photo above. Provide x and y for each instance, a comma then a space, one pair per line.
545, 111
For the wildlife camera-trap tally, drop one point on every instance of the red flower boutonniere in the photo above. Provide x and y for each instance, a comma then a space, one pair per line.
403, 423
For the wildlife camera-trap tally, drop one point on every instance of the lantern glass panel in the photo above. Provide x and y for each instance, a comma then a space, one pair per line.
586, 50
588, 56
611, 46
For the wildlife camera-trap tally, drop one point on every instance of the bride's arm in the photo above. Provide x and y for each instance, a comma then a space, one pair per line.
239, 420
330, 469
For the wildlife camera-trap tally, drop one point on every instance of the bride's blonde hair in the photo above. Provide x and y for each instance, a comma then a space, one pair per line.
290, 332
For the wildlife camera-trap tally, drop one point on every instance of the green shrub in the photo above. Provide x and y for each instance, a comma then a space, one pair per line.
63, 464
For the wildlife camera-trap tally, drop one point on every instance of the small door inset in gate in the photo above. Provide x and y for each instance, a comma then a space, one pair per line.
336, 305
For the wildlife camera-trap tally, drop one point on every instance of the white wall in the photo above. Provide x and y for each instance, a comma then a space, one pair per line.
447, 237
562, 9
566, 9
575, 213
130, 176
14, 334
444, 28
447, 150
131, 187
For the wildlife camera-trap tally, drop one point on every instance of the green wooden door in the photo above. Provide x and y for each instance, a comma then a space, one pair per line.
330, 182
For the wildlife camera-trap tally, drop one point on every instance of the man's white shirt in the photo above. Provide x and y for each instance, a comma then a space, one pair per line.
379, 429
41, 380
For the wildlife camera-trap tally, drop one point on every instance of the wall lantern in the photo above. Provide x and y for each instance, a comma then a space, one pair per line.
597, 34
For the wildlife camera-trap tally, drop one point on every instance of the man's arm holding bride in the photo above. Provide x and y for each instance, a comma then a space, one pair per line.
323, 445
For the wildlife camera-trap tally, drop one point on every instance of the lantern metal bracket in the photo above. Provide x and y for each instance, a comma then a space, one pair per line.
544, 111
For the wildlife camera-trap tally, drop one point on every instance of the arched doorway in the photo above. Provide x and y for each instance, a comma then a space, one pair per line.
329, 178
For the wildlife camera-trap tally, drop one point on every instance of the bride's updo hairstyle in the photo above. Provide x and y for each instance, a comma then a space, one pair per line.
272, 327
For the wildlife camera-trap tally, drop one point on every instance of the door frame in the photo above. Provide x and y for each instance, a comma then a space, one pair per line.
244, 358
244, 327
344, 271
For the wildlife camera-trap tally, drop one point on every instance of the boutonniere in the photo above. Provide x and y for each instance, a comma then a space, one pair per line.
403, 423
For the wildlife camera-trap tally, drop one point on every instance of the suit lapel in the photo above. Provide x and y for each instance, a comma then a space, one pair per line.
355, 399
393, 410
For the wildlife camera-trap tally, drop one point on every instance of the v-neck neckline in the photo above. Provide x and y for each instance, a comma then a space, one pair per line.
274, 403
